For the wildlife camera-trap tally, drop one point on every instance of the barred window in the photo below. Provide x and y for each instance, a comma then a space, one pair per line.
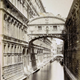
54, 27
39, 27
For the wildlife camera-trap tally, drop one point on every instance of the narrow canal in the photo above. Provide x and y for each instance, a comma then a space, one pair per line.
51, 71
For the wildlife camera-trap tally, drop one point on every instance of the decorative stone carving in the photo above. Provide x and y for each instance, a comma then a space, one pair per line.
22, 27
5, 17
15, 22
19, 25
12, 21
9, 19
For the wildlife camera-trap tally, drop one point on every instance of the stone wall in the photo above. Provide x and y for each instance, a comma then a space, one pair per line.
72, 53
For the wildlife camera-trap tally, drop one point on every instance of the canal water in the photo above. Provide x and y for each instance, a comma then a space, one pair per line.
51, 71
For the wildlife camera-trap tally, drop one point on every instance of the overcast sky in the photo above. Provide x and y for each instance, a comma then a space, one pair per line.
61, 7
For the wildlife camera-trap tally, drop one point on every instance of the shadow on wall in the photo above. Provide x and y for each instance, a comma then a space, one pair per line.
30, 51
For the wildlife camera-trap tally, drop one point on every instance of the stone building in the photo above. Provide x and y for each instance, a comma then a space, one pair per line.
34, 8
14, 16
72, 48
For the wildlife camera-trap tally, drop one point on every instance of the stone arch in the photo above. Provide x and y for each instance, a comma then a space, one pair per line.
45, 21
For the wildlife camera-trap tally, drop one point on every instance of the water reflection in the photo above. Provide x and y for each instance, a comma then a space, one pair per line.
52, 71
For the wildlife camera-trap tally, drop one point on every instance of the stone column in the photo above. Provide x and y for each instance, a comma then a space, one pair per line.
18, 30
19, 5
9, 54
5, 54
4, 25
13, 53
22, 32
17, 54
13, 25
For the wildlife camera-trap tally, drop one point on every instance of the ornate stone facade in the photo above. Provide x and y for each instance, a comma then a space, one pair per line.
13, 38
14, 31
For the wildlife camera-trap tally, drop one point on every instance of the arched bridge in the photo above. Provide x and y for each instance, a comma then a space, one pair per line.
46, 26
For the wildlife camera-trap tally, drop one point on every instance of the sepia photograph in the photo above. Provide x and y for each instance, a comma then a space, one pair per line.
39, 39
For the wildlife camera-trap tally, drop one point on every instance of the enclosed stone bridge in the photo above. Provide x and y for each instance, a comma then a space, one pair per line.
46, 26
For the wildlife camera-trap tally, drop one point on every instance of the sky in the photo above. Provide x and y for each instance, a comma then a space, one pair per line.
58, 41
61, 7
